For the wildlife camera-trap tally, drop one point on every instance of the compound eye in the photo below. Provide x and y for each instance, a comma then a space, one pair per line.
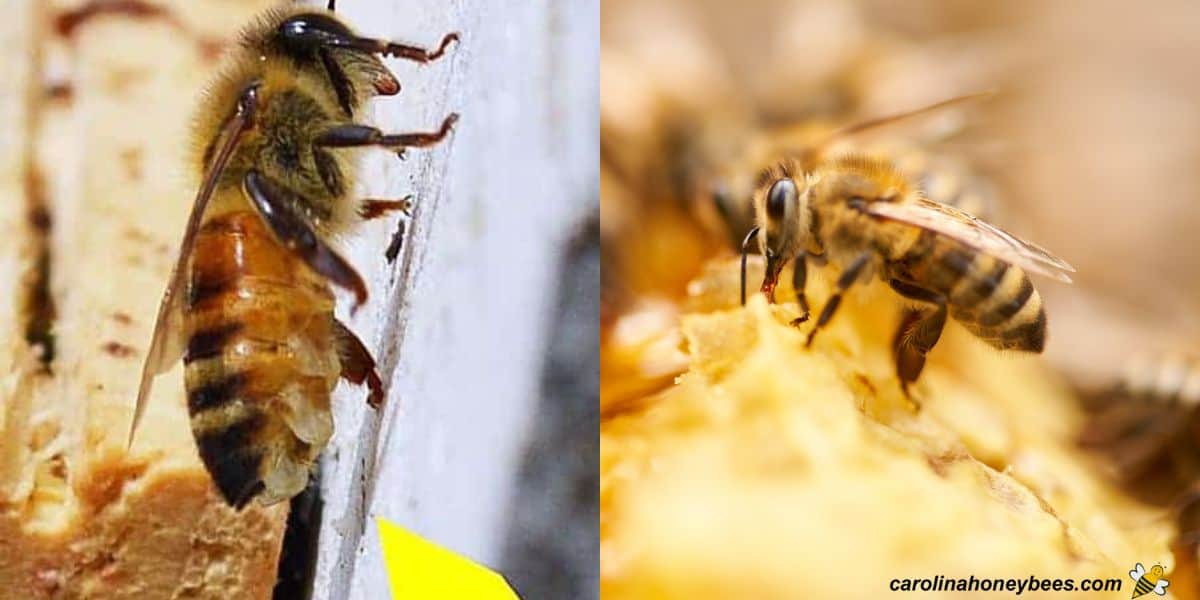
305, 33
783, 193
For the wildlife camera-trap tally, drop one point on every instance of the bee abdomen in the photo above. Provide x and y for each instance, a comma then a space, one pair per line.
214, 391
246, 430
260, 360
232, 454
1143, 587
210, 342
997, 302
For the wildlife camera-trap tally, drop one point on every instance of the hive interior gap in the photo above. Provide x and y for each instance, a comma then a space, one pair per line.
298, 559
39, 308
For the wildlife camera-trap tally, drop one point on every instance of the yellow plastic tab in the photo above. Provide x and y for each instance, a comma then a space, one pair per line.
418, 569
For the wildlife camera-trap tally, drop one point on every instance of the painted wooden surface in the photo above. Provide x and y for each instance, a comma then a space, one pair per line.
460, 321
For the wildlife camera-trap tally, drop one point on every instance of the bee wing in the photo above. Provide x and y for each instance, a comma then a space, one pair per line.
1137, 572
1160, 588
984, 237
166, 344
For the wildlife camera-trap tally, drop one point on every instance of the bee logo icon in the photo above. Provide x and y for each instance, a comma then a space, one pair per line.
1148, 581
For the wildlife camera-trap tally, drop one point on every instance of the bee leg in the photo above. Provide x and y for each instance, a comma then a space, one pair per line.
799, 280
404, 51
274, 203
373, 209
357, 364
918, 333
350, 136
849, 276
909, 362
332, 6
303, 31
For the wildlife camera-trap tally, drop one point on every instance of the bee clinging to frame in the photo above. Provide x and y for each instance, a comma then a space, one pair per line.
249, 304
865, 217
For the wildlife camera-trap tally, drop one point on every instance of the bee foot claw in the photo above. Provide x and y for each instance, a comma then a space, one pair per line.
916, 404
798, 320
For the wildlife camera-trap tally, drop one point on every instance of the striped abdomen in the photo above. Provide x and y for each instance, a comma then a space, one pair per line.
1144, 586
991, 298
260, 360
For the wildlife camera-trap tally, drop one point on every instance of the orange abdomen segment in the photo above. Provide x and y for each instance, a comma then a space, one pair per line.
261, 359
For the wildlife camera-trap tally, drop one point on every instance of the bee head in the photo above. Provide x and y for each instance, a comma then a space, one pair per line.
321, 43
302, 35
781, 212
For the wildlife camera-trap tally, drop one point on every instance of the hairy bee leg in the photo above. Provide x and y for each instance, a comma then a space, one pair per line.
358, 366
273, 203
799, 282
918, 333
350, 136
405, 51
373, 209
909, 362
849, 276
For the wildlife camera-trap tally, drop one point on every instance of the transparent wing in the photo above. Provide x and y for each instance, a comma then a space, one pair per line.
166, 344
1137, 572
984, 237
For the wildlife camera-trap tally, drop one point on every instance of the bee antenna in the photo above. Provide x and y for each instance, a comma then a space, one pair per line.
745, 244
886, 120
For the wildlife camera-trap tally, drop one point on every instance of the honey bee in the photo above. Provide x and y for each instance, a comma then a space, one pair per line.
868, 219
1148, 581
1144, 424
1148, 426
249, 305
726, 186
